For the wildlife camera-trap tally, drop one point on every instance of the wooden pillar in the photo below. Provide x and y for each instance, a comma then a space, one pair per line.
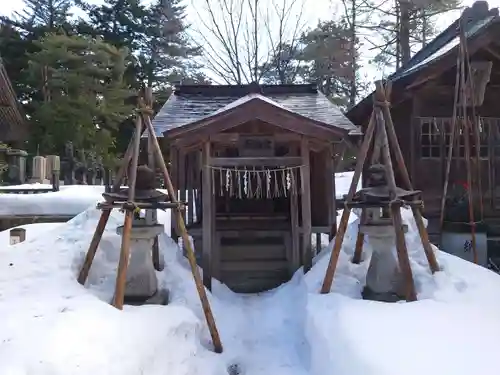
294, 261
330, 190
190, 187
207, 220
182, 178
414, 132
174, 175
305, 179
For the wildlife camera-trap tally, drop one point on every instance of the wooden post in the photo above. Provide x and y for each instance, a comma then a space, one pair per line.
328, 154
339, 238
294, 221
305, 179
189, 249
207, 221
190, 188
398, 155
360, 239
175, 182
121, 274
155, 251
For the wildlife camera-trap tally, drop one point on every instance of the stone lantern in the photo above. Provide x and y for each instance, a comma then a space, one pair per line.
141, 283
384, 280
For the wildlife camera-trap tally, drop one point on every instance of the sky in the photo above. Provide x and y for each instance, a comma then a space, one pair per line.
314, 11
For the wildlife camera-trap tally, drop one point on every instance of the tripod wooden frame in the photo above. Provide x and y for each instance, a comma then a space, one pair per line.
143, 121
386, 139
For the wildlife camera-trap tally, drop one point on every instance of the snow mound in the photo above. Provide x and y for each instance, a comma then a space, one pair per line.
454, 328
71, 200
33, 231
51, 325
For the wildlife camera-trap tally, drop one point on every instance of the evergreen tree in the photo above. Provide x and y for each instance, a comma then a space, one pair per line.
48, 15
81, 80
327, 54
165, 46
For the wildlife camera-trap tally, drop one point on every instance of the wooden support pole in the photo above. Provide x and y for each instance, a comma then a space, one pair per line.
402, 252
339, 238
127, 225
398, 155
155, 251
96, 239
103, 220
360, 239
189, 249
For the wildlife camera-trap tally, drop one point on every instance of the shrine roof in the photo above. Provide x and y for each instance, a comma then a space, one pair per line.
476, 20
190, 104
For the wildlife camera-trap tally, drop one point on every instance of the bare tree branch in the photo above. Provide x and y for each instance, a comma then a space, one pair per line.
241, 37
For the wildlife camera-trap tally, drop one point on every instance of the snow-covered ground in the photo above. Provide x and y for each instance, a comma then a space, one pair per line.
33, 232
70, 200
51, 325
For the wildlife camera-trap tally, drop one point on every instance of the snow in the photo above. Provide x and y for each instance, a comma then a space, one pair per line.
70, 200
33, 231
246, 99
454, 328
51, 325
343, 182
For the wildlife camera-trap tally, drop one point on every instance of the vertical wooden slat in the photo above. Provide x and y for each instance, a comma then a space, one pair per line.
175, 183
182, 179
207, 198
306, 204
492, 132
413, 135
294, 221
190, 187
328, 154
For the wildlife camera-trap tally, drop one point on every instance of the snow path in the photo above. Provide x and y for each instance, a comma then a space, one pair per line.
267, 329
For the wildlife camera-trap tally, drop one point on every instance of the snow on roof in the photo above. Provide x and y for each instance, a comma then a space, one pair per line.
246, 99
52, 325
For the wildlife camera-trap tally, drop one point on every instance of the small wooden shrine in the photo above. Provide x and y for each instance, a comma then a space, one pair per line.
255, 166
426, 110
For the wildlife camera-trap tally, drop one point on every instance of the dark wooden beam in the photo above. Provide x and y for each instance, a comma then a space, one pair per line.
285, 161
330, 191
305, 180
207, 221
231, 138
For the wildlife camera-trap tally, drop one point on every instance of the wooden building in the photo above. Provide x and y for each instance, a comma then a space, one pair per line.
255, 164
422, 105
13, 126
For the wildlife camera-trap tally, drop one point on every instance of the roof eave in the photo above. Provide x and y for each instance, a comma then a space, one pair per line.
183, 130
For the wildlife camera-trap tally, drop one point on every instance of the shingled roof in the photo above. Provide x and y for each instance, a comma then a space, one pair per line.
477, 20
12, 123
189, 104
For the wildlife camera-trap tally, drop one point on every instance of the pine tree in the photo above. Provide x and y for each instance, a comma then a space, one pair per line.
327, 51
165, 47
404, 28
46, 14
84, 93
